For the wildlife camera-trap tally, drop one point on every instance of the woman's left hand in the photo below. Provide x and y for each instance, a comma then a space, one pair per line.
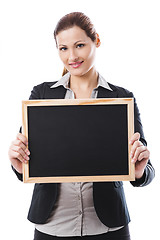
139, 154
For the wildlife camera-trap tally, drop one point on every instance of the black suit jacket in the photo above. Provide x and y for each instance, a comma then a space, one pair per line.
109, 198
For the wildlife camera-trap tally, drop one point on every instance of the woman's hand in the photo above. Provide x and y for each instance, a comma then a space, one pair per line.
139, 154
18, 152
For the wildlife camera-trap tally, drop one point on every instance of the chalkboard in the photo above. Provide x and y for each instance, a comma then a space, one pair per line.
78, 140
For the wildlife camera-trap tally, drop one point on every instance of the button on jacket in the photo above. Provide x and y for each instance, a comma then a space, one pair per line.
109, 198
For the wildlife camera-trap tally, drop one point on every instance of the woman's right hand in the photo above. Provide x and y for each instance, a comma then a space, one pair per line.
18, 152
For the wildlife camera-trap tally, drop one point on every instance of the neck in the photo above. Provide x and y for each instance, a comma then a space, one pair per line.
87, 81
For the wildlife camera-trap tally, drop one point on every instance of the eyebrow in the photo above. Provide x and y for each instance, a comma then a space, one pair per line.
74, 43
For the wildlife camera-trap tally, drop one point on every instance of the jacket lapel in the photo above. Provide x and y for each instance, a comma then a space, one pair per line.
56, 93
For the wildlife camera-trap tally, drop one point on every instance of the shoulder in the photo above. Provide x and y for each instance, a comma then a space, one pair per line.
39, 90
45, 85
121, 92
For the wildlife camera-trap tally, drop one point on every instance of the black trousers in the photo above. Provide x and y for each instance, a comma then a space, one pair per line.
122, 234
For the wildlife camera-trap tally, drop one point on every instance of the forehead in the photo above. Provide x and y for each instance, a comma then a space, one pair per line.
72, 35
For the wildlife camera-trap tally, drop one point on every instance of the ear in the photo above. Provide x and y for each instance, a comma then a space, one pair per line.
98, 42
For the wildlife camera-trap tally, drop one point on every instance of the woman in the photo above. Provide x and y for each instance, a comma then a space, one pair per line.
74, 210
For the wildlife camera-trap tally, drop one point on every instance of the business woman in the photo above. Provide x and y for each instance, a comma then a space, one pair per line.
81, 210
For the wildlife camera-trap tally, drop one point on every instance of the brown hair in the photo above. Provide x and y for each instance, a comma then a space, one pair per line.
75, 19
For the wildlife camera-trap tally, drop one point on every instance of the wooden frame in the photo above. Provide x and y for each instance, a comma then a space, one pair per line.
127, 102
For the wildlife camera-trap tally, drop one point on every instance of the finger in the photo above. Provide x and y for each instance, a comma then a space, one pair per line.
138, 151
135, 146
144, 155
17, 156
23, 153
22, 138
20, 144
134, 138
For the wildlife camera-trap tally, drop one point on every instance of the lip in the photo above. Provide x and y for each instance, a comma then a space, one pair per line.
76, 64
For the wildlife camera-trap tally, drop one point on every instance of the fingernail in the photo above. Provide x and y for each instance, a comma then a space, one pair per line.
26, 157
27, 151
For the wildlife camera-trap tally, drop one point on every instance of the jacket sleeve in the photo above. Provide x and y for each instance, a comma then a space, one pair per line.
148, 176
149, 172
19, 175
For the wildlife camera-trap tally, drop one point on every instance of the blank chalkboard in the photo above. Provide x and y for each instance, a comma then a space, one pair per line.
78, 140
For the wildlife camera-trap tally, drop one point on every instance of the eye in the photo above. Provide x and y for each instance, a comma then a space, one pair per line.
80, 45
63, 49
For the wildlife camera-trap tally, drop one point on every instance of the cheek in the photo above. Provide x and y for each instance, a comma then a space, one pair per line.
90, 54
62, 57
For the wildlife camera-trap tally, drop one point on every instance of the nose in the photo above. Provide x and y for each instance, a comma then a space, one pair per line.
73, 57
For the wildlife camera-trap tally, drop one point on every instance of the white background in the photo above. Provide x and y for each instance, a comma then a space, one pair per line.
129, 57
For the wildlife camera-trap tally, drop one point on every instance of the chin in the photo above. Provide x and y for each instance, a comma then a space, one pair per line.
78, 73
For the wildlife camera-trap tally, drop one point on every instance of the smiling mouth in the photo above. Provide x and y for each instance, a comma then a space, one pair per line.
76, 64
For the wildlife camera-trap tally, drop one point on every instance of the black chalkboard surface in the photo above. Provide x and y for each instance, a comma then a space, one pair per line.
78, 140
